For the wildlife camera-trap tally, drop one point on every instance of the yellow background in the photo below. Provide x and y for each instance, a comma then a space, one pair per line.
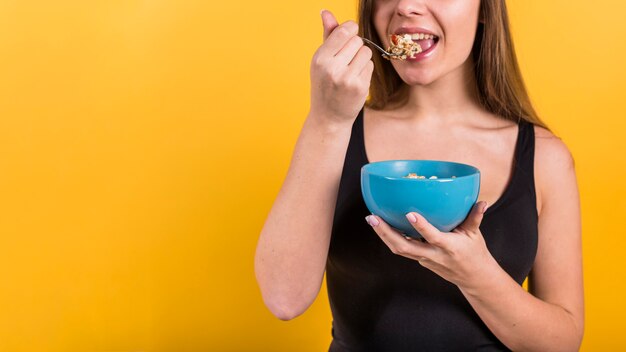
142, 143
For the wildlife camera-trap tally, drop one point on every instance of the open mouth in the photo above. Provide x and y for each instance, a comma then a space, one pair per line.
425, 41
408, 45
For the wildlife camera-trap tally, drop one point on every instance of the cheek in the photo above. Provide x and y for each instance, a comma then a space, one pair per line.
459, 23
381, 17
459, 45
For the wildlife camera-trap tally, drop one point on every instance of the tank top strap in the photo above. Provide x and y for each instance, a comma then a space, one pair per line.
355, 158
357, 141
525, 156
521, 180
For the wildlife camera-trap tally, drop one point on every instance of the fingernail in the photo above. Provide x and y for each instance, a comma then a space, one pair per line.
484, 208
371, 220
322, 12
412, 218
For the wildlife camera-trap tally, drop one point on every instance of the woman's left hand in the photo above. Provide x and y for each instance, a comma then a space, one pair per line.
460, 256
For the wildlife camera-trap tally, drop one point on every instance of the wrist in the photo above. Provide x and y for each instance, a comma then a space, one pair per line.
329, 122
485, 280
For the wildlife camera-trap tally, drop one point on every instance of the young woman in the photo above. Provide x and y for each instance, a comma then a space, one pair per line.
462, 99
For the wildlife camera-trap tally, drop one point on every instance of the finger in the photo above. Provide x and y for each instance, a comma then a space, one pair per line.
427, 230
366, 73
349, 51
329, 22
360, 60
398, 244
475, 217
339, 37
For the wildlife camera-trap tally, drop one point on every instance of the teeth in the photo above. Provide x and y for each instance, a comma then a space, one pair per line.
420, 36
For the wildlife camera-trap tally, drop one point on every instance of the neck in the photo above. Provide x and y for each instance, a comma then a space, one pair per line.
449, 100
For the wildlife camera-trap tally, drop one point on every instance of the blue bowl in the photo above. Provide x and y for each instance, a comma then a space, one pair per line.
445, 202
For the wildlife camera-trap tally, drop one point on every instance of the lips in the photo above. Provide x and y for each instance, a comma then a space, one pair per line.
413, 30
426, 39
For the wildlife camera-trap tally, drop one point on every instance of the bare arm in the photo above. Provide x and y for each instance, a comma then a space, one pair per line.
551, 318
293, 245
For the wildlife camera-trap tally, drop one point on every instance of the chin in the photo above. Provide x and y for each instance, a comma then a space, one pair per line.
417, 78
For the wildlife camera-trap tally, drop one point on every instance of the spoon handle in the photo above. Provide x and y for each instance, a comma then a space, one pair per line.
385, 53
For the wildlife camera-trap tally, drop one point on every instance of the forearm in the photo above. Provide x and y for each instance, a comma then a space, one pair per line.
293, 245
520, 320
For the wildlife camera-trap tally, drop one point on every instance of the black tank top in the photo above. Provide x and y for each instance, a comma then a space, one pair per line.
385, 302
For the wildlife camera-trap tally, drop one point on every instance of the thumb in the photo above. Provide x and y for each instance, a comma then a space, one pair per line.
475, 217
329, 22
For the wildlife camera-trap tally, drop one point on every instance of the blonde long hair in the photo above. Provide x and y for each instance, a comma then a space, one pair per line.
501, 89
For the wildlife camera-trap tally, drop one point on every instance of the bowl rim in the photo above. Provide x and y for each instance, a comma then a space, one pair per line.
365, 168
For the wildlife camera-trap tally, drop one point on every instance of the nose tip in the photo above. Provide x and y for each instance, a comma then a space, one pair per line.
410, 8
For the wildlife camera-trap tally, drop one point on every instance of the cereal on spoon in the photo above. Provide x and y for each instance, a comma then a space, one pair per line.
403, 47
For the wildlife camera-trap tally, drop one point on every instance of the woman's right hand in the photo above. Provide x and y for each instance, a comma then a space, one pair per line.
341, 71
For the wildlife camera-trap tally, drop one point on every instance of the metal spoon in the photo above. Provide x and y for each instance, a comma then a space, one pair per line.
386, 54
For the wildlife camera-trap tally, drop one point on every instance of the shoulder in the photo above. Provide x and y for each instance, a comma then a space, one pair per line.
554, 165
551, 152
